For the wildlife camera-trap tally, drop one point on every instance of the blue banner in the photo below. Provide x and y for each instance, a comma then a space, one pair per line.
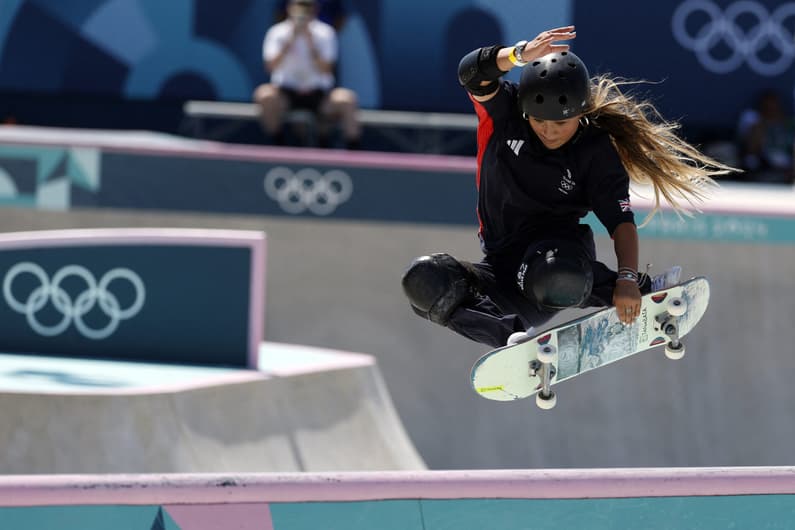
149, 302
298, 189
707, 58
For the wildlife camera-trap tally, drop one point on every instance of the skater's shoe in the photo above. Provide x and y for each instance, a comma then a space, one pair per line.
520, 337
666, 279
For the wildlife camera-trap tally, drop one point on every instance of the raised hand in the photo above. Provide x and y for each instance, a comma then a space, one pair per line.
547, 42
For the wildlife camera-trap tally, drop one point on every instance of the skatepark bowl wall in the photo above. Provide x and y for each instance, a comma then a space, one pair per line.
334, 282
125, 356
694, 498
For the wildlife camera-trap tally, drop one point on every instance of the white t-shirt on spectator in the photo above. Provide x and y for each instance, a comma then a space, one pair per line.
298, 71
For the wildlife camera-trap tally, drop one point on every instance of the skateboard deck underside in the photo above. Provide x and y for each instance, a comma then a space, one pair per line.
586, 343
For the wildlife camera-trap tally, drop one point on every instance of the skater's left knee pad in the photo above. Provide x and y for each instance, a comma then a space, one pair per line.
556, 277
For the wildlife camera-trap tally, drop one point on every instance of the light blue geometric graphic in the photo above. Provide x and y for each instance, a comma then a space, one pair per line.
83, 168
120, 28
48, 161
180, 53
57, 170
200, 56
54, 195
8, 188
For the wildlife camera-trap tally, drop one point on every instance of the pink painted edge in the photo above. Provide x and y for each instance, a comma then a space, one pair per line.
130, 236
220, 150
249, 516
256, 311
293, 155
42, 490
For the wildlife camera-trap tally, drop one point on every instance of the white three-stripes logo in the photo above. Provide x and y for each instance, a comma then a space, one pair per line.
515, 145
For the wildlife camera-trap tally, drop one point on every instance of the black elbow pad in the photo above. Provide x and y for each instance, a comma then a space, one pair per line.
477, 66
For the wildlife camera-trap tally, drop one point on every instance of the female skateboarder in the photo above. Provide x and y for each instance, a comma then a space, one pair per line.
550, 149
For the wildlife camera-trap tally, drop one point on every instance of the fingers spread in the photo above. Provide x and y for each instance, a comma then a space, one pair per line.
562, 29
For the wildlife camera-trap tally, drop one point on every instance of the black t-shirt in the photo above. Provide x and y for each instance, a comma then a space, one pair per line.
525, 189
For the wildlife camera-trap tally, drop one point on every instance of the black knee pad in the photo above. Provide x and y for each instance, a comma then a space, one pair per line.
437, 284
556, 275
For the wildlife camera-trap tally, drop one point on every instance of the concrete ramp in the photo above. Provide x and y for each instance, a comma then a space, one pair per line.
305, 409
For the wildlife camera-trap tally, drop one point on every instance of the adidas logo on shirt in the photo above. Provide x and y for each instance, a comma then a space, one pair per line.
515, 145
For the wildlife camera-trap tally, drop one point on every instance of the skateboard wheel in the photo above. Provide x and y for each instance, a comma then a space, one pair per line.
547, 354
674, 353
517, 338
676, 307
546, 403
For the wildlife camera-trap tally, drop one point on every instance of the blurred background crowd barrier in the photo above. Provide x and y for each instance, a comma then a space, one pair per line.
134, 63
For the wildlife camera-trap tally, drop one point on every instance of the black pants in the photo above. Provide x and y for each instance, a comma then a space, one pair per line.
499, 308
310, 101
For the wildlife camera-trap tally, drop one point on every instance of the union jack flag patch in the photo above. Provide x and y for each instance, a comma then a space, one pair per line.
625, 205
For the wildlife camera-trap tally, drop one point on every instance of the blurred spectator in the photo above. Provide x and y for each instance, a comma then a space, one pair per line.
766, 137
331, 12
300, 53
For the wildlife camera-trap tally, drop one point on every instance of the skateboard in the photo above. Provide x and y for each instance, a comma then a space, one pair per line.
521, 370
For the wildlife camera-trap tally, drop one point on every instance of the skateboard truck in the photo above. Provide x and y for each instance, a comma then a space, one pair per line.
543, 368
669, 324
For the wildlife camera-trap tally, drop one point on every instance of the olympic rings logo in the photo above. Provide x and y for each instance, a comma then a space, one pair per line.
95, 293
308, 189
768, 32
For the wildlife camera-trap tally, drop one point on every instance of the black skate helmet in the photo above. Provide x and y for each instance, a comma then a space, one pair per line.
554, 87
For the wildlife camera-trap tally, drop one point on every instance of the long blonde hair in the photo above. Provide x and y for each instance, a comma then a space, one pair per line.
650, 148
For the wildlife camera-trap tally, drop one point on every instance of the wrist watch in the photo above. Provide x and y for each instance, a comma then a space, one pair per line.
516, 53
